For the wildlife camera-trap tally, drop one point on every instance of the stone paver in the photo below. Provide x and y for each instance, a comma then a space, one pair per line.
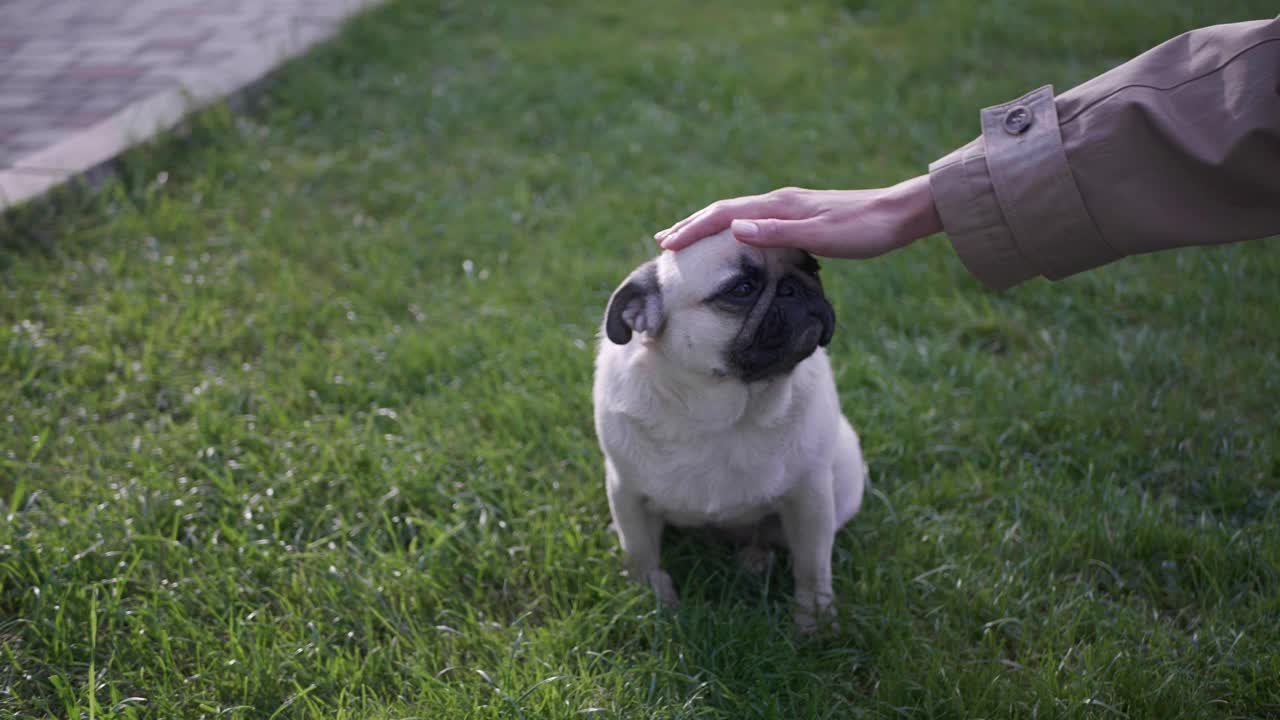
81, 80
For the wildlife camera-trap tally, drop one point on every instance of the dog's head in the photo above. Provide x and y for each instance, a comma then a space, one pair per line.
724, 309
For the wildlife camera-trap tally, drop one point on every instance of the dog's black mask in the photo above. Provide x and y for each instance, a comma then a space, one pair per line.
789, 317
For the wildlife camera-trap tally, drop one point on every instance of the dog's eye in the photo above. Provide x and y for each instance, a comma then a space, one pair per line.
744, 289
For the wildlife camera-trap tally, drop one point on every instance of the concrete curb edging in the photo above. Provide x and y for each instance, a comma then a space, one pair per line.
82, 151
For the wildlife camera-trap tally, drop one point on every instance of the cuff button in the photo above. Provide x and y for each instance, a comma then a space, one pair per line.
1017, 120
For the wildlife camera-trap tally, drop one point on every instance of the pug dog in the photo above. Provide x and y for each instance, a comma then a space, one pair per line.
715, 408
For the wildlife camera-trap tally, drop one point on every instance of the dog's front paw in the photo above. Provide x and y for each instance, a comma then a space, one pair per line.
815, 613
662, 586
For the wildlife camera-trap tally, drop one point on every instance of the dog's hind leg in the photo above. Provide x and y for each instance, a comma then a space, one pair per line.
849, 475
756, 544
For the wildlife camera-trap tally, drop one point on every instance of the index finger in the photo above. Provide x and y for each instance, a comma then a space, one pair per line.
714, 218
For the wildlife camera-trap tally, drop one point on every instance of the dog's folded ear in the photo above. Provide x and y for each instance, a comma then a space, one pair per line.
635, 306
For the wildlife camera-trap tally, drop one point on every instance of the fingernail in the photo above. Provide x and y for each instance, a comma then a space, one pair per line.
666, 243
744, 229
661, 234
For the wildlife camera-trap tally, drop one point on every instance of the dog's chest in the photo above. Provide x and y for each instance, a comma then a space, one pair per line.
718, 478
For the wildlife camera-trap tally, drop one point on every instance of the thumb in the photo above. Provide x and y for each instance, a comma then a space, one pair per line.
768, 232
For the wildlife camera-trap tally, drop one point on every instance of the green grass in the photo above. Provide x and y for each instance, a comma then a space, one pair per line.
295, 414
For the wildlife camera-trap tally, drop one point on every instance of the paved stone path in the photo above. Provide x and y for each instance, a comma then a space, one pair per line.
81, 80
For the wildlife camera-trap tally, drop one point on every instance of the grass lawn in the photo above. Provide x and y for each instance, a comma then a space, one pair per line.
295, 415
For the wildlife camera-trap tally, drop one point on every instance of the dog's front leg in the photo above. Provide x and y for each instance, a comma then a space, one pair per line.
808, 523
640, 532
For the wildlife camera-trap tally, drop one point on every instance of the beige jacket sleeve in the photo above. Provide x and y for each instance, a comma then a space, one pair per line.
1179, 146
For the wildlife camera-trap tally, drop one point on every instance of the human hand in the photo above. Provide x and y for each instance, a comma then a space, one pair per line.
832, 223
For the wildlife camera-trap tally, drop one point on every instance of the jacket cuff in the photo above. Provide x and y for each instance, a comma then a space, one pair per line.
971, 217
1009, 203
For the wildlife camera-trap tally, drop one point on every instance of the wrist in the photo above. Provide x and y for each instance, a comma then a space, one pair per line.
918, 217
